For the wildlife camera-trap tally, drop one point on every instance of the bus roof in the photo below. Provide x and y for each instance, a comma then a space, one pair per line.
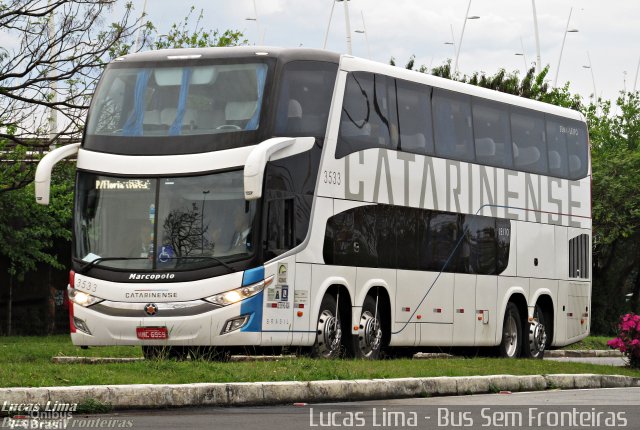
351, 64
284, 54
348, 63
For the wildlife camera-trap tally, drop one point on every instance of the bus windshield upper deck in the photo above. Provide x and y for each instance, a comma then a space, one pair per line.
177, 101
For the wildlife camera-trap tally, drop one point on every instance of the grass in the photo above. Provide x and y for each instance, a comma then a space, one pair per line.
26, 362
591, 342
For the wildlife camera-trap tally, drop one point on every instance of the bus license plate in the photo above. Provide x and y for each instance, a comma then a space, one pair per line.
152, 333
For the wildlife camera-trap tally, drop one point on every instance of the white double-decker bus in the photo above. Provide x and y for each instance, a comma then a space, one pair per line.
266, 197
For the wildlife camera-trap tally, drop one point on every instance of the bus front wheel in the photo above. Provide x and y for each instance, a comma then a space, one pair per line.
511, 333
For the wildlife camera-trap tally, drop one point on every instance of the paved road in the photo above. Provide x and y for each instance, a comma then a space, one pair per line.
500, 411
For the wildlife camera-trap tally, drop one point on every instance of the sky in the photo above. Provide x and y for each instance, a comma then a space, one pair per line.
608, 33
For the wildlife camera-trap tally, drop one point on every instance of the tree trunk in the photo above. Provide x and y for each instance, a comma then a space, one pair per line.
51, 305
9, 305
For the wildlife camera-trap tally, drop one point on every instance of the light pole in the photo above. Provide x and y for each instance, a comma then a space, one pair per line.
635, 81
466, 17
564, 37
453, 42
255, 18
535, 30
347, 24
521, 54
593, 79
366, 36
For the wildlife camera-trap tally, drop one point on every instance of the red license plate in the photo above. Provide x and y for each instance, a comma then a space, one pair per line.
152, 333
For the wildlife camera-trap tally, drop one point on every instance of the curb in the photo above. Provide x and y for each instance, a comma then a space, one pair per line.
145, 396
554, 353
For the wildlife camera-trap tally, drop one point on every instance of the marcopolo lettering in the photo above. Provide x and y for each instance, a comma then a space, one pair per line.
151, 276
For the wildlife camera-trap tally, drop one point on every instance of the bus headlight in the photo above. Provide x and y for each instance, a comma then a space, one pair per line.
82, 299
242, 293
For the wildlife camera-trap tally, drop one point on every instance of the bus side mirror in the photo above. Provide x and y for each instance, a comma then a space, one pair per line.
45, 166
270, 150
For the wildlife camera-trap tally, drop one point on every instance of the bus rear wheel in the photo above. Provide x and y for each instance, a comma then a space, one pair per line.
368, 343
535, 343
511, 333
328, 330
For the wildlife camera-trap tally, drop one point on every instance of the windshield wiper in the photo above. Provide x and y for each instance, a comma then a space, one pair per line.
92, 263
207, 257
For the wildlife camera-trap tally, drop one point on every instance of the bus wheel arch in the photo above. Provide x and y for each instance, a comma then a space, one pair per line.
374, 325
333, 323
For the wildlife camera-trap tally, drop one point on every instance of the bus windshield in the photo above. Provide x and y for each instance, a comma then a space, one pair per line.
177, 101
150, 224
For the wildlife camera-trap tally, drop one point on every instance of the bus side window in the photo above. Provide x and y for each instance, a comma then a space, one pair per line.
280, 227
477, 252
529, 146
557, 145
369, 117
407, 237
577, 149
304, 98
414, 117
452, 125
492, 133
441, 240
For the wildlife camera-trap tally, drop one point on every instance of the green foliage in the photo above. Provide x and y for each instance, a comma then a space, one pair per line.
180, 36
28, 230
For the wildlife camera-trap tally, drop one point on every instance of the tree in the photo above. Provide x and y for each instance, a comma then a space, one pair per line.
54, 68
62, 46
615, 153
179, 35
28, 230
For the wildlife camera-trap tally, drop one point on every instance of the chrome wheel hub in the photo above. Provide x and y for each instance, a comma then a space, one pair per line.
370, 336
537, 337
329, 334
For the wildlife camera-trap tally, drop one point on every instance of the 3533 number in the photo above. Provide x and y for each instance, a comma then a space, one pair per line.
331, 177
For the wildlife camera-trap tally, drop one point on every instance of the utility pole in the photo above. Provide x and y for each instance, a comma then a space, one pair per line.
535, 28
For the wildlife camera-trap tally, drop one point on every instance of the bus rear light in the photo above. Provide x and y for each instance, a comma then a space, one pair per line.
406, 309
300, 313
437, 310
419, 317
274, 305
460, 311
72, 279
300, 305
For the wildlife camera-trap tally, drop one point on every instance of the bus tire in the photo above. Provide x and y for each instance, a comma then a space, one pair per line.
510, 345
367, 343
329, 332
535, 341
